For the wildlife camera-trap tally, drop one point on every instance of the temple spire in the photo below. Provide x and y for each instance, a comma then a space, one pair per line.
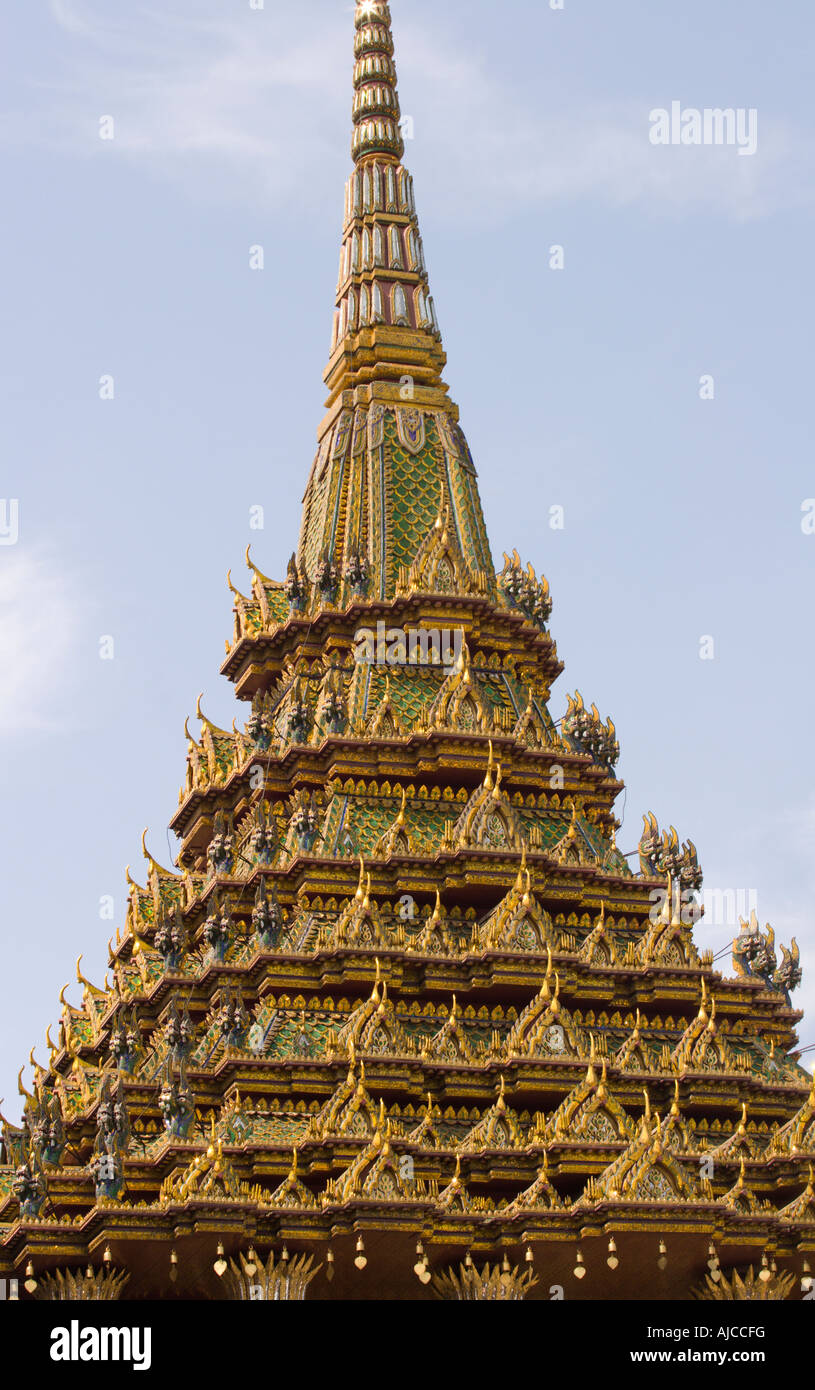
390, 444
376, 102
385, 325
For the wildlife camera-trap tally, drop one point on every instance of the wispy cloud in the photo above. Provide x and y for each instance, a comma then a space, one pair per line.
39, 623
259, 94
71, 19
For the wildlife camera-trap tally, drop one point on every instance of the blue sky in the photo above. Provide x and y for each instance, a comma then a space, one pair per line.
579, 388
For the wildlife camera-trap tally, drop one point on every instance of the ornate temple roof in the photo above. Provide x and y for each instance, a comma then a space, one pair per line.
402, 984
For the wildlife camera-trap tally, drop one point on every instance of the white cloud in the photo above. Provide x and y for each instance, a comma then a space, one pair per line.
68, 17
39, 621
262, 95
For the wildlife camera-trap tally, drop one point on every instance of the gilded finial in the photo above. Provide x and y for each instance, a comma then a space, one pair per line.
490, 766
360, 893
519, 882
527, 897
145, 851
81, 980
602, 1088
375, 997
645, 1125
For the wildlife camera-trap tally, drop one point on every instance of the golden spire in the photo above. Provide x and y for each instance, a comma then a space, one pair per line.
386, 392
376, 102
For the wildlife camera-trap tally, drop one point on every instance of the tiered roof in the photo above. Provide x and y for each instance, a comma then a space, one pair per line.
401, 980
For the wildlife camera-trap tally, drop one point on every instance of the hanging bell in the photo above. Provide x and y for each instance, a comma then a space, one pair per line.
806, 1277
285, 1256
361, 1259
107, 1257
220, 1265
764, 1273
30, 1282
662, 1262
529, 1257
420, 1268
468, 1262
612, 1260
579, 1268
173, 1266
251, 1266
329, 1266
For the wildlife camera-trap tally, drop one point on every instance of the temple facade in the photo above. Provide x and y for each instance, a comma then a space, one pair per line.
403, 1022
